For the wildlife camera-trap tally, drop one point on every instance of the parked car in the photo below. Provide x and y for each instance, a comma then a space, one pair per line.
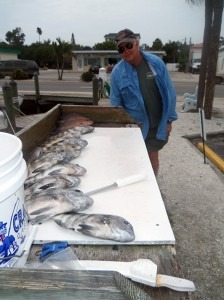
195, 69
219, 78
109, 69
94, 69
27, 66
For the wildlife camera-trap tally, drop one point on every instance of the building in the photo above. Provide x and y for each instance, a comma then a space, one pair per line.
7, 54
83, 59
220, 60
195, 53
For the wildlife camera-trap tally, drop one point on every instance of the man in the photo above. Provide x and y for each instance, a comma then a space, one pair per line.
141, 84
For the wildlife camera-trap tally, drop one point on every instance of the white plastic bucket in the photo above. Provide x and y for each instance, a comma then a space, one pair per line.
13, 216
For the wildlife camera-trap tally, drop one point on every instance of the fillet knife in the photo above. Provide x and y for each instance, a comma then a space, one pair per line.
119, 183
142, 271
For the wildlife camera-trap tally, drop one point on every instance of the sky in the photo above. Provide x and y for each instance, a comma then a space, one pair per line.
90, 20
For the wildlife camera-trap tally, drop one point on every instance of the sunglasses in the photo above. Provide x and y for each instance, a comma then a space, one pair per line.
127, 46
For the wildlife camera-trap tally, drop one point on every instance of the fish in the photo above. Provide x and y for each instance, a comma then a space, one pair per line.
67, 133
35, 154
59, 169
72, 119
44, 163
62, 141
51, 142
74, 141
67, 147
69, 153
84, 129
102, 226
45, 205
68, 125
53, 181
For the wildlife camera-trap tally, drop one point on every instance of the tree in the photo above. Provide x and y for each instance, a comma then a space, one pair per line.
62, 52
15, 37
39, 31
157, 45
105, 46
172, 51
211, 39
73, 39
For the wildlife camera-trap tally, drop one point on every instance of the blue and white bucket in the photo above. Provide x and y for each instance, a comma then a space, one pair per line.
13, 216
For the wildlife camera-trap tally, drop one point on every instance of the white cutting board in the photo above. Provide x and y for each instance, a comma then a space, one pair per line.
114, 153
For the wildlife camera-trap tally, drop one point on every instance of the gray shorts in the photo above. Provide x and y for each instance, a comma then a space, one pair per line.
152, 143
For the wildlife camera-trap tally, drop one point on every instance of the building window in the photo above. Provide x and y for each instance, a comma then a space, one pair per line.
92, 61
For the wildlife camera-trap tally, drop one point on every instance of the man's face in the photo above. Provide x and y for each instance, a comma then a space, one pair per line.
129, 51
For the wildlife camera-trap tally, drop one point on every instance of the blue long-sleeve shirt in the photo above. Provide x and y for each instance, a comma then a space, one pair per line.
125, 92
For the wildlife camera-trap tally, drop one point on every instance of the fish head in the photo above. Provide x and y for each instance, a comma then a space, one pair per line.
80, 200
109, 227
122, 230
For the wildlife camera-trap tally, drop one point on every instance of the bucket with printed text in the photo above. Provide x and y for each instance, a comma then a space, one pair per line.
13, 216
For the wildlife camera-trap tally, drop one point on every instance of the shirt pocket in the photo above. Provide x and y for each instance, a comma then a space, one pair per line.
129, 95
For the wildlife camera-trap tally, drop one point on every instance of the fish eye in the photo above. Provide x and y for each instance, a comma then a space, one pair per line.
126, 222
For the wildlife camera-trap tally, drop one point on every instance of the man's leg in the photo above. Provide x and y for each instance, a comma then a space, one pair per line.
154, 158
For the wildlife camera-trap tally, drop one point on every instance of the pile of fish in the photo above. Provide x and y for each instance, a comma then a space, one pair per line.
53, 176
50, 188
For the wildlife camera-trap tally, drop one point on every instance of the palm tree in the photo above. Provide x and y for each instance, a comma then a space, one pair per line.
39, 31
62, 51
212, 29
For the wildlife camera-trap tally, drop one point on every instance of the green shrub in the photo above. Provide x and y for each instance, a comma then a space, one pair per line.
19, 74
87, 76
2, 75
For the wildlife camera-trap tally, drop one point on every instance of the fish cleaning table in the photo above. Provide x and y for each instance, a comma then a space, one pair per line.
114, 153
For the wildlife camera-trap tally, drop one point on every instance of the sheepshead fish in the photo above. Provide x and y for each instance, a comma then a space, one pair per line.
108, 227
69, 154
44, 163
43, 206
35, 154
84, 129
51, 142
74, 141
67, 147
69, 133
53, 181
59, 169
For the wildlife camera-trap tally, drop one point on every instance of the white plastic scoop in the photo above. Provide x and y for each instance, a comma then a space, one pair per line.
141, 270
119, 183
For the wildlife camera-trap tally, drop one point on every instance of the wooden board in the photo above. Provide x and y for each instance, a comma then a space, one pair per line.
114, 153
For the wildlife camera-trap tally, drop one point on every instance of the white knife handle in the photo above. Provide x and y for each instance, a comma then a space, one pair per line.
130, 179
175, 283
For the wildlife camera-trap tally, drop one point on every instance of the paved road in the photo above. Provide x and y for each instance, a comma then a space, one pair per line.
71, 83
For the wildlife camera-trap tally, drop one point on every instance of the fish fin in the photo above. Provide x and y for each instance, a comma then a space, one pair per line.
47, 186
86, 230
40, 219
40, 210
55, 172
38, 170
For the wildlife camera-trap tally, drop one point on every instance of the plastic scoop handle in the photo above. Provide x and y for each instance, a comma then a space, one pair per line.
119, 183
175, 283
142, 270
